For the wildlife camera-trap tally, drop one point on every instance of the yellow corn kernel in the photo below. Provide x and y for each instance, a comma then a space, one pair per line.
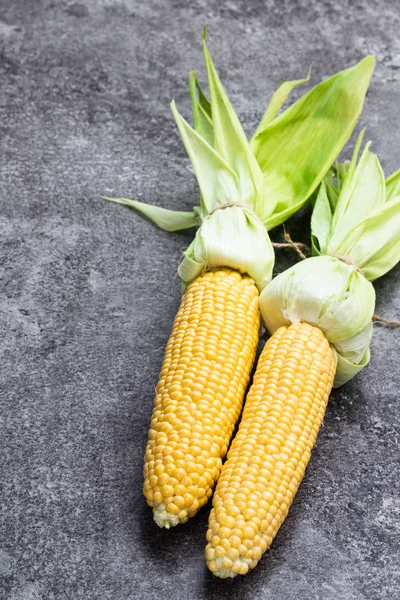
296, 370
200, 393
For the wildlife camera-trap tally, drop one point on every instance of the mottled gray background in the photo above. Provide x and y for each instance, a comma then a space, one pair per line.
88, 292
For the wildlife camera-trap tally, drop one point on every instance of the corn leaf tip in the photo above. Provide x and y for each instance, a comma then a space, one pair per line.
370, 59
368, 65
115, 200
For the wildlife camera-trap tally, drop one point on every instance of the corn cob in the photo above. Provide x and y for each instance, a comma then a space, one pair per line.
199, 396
284, 409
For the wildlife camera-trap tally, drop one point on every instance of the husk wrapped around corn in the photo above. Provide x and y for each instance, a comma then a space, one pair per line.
246, 188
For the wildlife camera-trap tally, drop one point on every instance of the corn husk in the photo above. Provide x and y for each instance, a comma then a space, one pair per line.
267, 178
330, 294
237, 240
356, 217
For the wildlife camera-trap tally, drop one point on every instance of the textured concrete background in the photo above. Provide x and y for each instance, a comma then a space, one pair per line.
88, 292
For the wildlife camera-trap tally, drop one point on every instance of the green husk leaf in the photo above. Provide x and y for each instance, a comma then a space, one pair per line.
190, 268
296, 150
201, 110
217, 181
362, 191
169, 220
332, 191
374, 244
321, 219
346, 370
393, 185
362, 223
275, 104
203, 100
230, 141
346, 170
353, 349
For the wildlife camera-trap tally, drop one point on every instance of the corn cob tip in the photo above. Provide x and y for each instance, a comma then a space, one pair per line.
224, 567
165, 519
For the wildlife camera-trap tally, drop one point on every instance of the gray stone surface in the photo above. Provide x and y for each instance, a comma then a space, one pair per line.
88, 292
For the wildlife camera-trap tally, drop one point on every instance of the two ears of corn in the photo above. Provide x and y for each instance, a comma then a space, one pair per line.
318, 312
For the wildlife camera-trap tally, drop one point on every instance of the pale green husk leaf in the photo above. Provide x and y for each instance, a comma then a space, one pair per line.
218, 183
169, 220
357, 215
325, 292
352, 355
233, 237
